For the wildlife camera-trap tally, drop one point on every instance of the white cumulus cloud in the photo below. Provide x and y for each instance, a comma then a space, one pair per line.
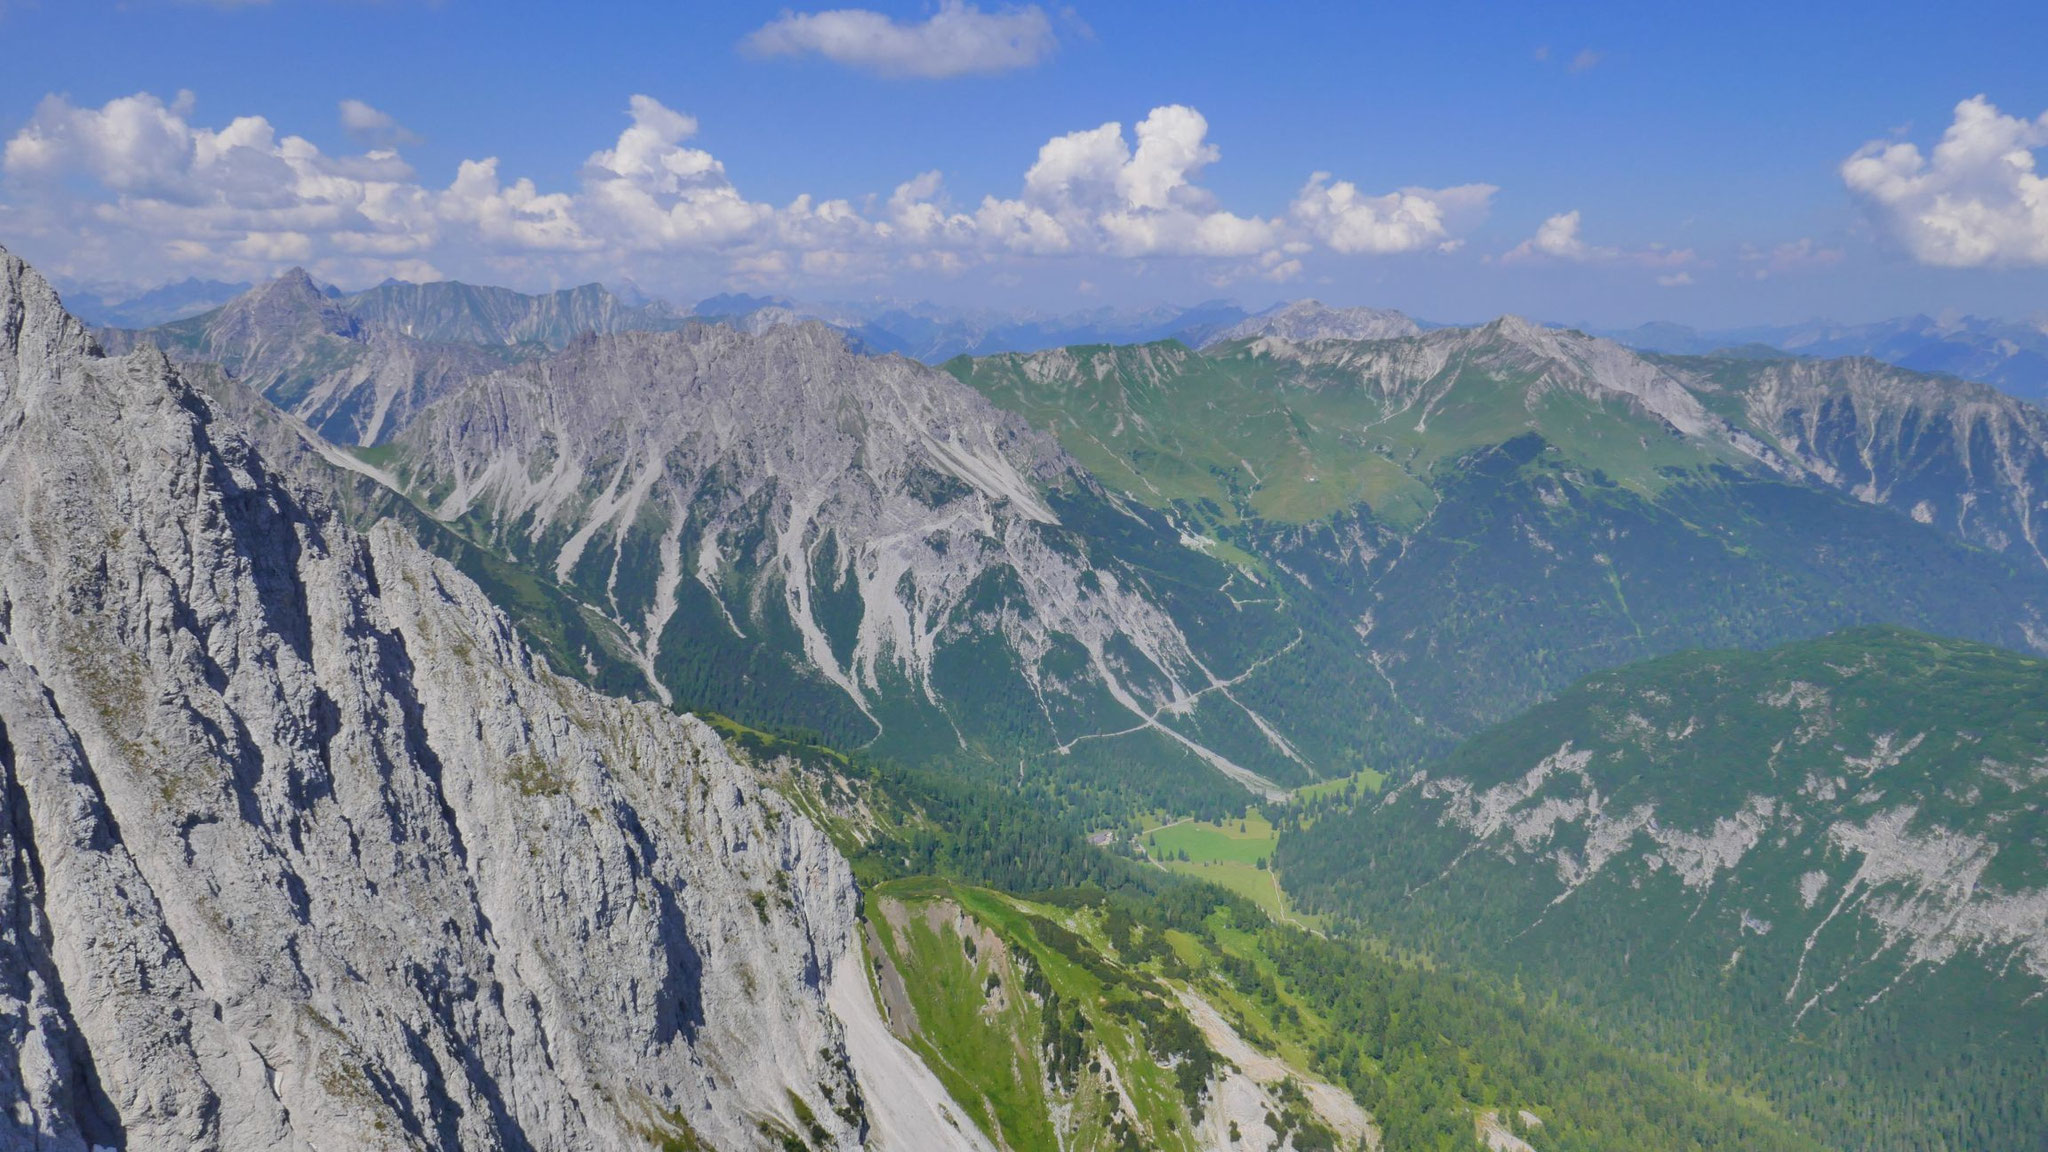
957, 40
656, 193
1558, 239
135, 144
139, 189
1090, 192
373, 128
1409, 220
243, 200
1978, 201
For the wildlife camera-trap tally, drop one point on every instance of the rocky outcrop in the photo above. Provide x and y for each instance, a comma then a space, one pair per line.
1871, 796
356, 366
1307, 321
869, 514
1965, 458
301, 848
354, 380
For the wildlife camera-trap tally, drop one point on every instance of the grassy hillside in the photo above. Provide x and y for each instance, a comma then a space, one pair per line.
1052, 1036
1772, 867
1128, 953
1236, 855
1245, 434
1463, 523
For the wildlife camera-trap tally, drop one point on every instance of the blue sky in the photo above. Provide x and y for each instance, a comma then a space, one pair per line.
1607, 163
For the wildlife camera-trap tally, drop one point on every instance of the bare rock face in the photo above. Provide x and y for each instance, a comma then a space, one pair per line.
352, 377
869, 514
1965, 458
1306, 321
300, 848
357, 366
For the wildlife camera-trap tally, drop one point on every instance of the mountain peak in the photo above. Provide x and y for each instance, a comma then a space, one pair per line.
33, 323
1516, 328
1305, 321
292, 301
293, 284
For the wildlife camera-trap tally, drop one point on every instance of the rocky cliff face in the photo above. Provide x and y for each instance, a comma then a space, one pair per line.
1963, 457
867, 521
357, 366
306, 352
1307, 321
301, 848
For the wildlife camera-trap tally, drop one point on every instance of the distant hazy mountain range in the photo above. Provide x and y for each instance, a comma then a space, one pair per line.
2012, 355
109, 307
2008, 354
355, 365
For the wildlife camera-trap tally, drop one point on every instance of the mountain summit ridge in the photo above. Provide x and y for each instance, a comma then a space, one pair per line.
712, 488
1308, 320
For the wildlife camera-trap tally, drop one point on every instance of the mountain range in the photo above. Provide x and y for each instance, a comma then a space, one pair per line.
304, 844
2007, 354
115, 307
786, 529
354, 366
742, 655
899, 558
2010, 355
1467, 519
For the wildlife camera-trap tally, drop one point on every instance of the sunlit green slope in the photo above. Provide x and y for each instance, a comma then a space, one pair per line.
1821, 865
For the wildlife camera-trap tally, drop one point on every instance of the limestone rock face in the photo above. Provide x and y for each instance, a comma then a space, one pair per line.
1306, 321
300, 848
867, 518
357, 366
1963, 457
